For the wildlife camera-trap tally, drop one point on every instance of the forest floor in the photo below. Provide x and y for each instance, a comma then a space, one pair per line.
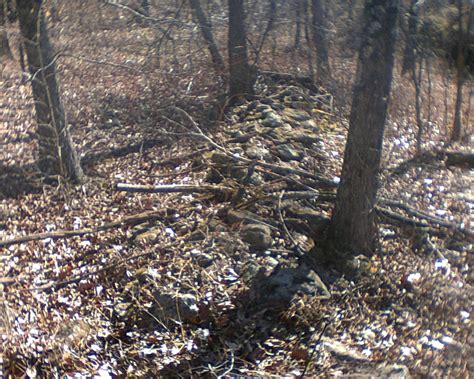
213, 280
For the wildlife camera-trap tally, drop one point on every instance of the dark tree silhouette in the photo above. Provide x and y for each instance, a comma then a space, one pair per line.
241, 75
5, 51
320, 41
352, 227
57, 155
464, 40
409, 55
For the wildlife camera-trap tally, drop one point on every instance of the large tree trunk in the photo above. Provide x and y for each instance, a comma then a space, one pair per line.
5, 51
206, 31
241, 76
320, 41
57, 155
352, 228
409, 55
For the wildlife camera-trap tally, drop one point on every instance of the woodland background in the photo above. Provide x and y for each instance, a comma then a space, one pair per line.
215, 275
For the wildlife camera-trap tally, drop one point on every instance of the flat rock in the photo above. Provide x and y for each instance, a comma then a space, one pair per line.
377, 372
284, 283
178, 307
258, 236
257, 152
310, 125
296, 115
272, 120
304, 136
288, 153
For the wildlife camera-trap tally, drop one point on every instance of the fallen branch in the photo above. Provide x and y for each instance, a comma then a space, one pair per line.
58, 234
184, 188
431, 219
76, 279
460, 158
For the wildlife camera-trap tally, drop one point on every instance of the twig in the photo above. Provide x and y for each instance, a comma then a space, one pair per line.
183, 188
129, 220
310, 359
285, 228
63, 283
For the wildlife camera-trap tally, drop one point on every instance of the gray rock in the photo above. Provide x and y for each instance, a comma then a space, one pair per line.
381, 371
204, 260
272, 120
178, 307
256, 152
264, 108
287, 153
251, 271
310, 125
258, 236
342, 351
220, 158
299, 104
296, 114
304, 137
287, 282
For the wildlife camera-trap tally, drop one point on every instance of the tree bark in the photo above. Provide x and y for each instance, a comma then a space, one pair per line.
56, 155
457, 125
5, 51
206, 31
409, 55
320, 41
298, 16
417, 81
352, 229
241, 76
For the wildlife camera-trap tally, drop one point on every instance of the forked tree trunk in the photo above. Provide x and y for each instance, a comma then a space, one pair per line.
352, 229
241, 76
206, 31
5, 51
320, 41
56, 155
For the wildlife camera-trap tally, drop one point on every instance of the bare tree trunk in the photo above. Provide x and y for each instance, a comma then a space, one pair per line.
206, 31
417, 80
5, 51
320, 41
145, 7
298, 16
351, 10
269, 28
446, 105
57, 155
461, 70
430, 89
308, 40
409, 55
457, 125
469, 106
241, 76
352, 229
